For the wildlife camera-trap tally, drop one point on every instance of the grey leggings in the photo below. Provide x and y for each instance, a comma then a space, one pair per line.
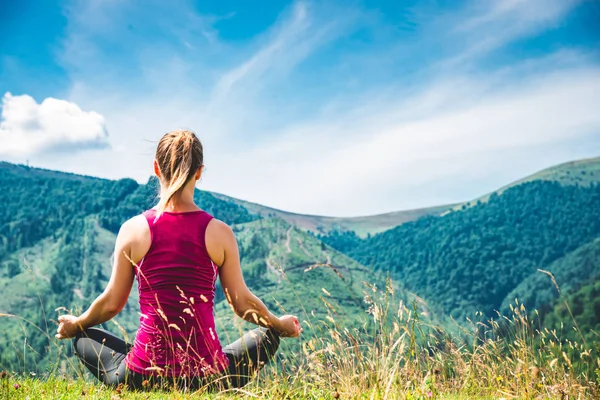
104, 353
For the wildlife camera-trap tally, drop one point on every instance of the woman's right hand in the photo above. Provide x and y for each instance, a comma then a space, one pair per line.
68, 327
289, 326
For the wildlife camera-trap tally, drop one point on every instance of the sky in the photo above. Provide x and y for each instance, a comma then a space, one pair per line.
338, 108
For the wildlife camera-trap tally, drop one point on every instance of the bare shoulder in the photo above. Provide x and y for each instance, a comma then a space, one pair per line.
218, 228
134, 227
134, 238
219, 238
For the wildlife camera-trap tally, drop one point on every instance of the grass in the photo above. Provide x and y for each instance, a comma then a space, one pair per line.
394, 354
57, 388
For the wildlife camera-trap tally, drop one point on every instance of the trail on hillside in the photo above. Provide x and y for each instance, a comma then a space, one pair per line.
39, 274
271, 267
287, 240
328, 257
301, 244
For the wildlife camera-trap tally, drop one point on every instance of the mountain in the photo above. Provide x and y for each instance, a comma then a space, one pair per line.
292, 271
583, 310
580, 172
362, 226
37, 202
57, 232
472, 258
571, 272
583, 172
67, 269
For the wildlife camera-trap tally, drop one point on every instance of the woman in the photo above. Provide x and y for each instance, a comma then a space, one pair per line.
176, 251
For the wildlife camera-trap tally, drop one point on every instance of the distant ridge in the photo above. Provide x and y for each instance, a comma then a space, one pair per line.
50, 173
582, 172
363, 226
579, 172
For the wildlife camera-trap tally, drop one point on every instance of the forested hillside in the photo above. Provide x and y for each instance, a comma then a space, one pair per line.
471, 259
571, 272
584, 309
292, 271
583, 172
37, 203
146, 196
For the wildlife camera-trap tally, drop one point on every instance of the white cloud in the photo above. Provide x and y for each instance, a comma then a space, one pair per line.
28, 128
499, 23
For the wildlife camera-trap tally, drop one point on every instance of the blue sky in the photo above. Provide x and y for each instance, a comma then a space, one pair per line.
331, 107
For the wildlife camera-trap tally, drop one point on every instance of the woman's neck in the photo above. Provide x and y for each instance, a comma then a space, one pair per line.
182, 201
174, 206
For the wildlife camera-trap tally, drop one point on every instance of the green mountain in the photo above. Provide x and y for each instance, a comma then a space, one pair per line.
580, 172
571, 272
566, 295
67, 269
57, 233
583, 310
292, 271
583, 172
470, 259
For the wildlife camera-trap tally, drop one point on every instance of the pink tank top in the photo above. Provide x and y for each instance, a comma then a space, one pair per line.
176, 281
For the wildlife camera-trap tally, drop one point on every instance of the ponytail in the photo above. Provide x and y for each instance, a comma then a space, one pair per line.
179, 154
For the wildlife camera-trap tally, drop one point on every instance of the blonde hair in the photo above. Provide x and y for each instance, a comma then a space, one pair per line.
179, 155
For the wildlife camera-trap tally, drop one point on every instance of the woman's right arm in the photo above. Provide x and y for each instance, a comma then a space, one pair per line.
115, 295
223, 250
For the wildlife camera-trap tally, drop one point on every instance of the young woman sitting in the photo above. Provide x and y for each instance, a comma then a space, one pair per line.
176, 251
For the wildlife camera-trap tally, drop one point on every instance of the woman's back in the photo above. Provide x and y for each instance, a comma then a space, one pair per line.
176, 283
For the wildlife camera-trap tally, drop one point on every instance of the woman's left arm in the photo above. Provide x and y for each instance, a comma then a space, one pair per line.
113, 299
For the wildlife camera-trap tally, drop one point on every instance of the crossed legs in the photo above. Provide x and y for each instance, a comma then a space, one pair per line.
103, 354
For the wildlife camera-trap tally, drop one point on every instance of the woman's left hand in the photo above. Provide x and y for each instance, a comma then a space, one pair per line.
68, 326
289, 326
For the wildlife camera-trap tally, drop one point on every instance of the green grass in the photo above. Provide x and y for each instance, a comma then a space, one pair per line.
395, 354
64, 389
